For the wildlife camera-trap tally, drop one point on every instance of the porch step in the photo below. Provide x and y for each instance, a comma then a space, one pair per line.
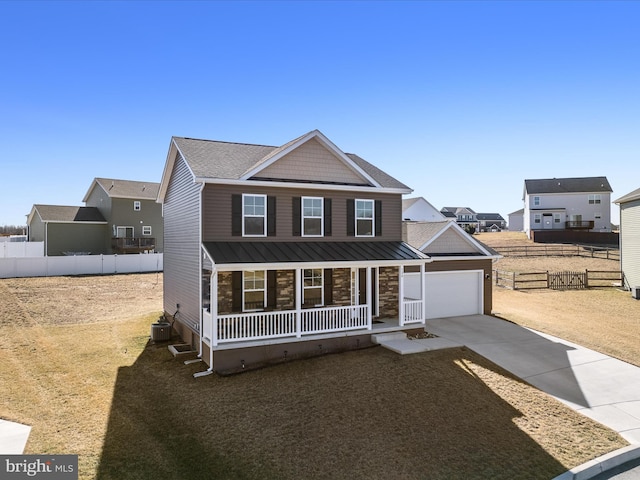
399, 343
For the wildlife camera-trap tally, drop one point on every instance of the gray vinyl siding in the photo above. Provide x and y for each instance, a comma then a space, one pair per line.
217, 213
630, 242
182, 246
99, 199
150, 214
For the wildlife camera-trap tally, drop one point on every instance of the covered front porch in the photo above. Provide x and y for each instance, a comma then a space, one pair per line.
248, 304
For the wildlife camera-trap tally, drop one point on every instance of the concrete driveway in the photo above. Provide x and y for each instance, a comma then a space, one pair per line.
600, 387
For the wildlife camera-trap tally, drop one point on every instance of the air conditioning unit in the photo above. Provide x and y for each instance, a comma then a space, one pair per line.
160, 332
635, 292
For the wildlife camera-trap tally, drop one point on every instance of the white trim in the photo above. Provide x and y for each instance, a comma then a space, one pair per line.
168, 170
464, 235
321, 287
307, 186
263, 290
373, 217
321, 217
302, 140
264, 216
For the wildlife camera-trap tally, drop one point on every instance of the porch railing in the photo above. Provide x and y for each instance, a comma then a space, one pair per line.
413, 312
265, 325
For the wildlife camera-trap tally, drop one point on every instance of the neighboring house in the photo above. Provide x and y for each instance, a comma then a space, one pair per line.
119, 216
490, 222
516, 220
567, 204
273, 252
463, 215
630, 239
67, 230
420, 210
458, 280
132, 213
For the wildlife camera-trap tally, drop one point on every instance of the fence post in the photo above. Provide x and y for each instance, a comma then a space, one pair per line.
548, 281
586, 278
514, 281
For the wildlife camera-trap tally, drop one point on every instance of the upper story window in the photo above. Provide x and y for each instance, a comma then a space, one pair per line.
594, 199
254, 215
364, 218
312, 215
137, 206
536, 201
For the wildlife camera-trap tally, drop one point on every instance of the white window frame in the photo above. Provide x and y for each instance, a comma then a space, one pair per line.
245, 289
245, 196
147, 230
536, 201
313, 279
319, 217
595, 199
137, 205
537, 218
556, 218
119, 228
597, 216
372, 219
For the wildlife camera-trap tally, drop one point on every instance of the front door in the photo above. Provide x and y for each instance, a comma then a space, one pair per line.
547, 221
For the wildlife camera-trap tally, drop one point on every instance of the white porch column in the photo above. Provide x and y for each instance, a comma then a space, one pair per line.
401, 294
213, 302
369, 299
423, 290
298, 280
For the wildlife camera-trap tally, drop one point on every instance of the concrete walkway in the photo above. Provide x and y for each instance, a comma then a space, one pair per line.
13, 437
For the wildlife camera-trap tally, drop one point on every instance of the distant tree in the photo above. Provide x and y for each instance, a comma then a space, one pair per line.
470, 229
13, 230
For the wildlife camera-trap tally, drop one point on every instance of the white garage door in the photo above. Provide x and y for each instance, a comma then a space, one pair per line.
454, 293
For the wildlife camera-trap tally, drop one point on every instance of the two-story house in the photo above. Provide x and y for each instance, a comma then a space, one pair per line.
490, 222
274, 252
133, 216
464, 216
119, 216
567, 204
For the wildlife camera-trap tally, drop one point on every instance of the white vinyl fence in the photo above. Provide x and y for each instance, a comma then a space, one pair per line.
21, 249
79, 265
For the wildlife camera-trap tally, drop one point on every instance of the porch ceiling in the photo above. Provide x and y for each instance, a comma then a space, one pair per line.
224, 253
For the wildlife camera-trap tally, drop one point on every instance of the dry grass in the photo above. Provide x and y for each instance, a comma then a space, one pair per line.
80, 370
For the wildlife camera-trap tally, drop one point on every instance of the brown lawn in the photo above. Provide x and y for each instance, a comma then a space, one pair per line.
78, 367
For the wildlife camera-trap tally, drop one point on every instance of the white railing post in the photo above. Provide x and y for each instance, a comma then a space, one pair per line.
369, 298
298, 280
213, 308
423, 289
401, 294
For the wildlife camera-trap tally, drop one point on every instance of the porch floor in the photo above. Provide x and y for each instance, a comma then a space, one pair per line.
380, 325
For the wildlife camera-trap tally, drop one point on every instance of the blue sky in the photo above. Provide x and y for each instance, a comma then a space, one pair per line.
459, 100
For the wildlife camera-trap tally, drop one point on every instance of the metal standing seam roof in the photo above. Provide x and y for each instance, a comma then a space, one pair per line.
226, 160
224, 253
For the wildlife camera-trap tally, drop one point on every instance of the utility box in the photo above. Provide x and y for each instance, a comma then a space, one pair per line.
635, 292
160, 332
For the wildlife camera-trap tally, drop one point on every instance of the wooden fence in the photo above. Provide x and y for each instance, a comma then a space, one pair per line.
557, 280
560, 250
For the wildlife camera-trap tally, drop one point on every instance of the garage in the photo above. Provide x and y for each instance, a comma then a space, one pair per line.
454, 293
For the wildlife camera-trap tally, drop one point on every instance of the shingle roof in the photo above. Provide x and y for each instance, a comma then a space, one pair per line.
128, 188
63, 213
518, 212
420, 233
225, 160
567, 185
629, 197
224, 253
489, 216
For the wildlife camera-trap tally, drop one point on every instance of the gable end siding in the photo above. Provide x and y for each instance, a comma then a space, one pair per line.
182, 246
